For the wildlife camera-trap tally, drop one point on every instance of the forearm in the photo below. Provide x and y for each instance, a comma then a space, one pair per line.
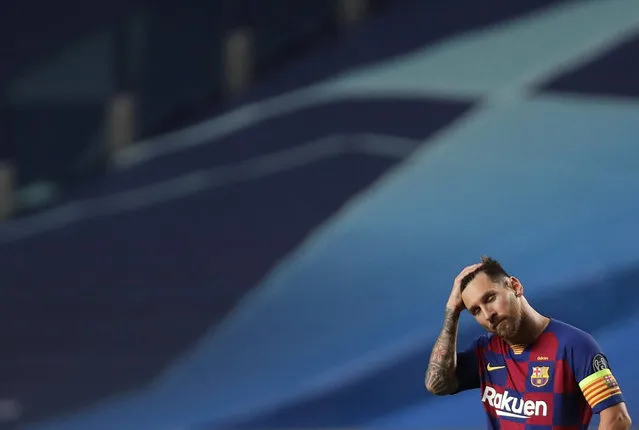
440, 376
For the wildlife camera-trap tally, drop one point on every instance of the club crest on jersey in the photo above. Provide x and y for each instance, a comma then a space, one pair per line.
540, 376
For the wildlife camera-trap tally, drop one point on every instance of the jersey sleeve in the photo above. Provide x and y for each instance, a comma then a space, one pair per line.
594, 376
467, 370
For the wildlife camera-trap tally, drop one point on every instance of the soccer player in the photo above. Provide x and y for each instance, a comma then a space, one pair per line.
534, 372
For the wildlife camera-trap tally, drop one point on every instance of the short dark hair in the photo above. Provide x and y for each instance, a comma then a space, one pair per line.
490, 267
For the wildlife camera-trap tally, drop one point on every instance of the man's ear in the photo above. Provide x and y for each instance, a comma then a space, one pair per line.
516, 286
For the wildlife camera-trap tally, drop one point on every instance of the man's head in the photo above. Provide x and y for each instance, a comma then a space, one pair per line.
494, 298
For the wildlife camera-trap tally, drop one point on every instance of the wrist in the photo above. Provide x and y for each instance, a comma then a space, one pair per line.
450, 310
453, 309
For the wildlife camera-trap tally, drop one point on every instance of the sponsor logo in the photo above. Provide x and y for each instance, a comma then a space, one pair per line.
506, 405
491, 368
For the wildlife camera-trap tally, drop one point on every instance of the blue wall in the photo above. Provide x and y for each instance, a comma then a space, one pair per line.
285, 264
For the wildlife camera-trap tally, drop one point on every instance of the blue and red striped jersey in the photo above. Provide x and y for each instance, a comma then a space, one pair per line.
557, 382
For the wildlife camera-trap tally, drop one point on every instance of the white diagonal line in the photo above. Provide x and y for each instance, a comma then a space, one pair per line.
383, 80
205, 179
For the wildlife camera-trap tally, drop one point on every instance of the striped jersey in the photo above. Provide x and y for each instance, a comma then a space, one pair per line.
557, 382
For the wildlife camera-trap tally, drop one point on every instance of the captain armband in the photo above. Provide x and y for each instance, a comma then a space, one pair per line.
599, 386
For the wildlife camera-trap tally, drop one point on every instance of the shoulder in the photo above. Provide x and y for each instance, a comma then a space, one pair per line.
487, 341
579, 347
480, 343
571, 337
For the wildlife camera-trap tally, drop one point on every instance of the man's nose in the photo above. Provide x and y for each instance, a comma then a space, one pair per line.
490, 315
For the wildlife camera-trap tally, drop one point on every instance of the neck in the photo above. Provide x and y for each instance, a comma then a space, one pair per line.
532, 326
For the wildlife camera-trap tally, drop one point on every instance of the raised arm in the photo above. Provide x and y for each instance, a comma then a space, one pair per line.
441, 376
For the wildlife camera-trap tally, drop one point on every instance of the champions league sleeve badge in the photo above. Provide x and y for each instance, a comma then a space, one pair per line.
599, 362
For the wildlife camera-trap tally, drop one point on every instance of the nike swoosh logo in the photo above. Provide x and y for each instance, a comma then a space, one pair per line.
491, 368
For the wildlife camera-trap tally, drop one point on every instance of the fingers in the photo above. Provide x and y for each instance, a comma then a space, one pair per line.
467, 270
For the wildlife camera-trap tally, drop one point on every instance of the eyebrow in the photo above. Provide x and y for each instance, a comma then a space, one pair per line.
483, 299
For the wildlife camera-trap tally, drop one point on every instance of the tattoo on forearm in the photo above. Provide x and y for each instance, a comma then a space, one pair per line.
440, 376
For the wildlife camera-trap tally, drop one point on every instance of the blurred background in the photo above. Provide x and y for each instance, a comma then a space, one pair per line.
248, 214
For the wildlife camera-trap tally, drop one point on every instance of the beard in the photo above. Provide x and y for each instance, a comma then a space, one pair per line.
508, 327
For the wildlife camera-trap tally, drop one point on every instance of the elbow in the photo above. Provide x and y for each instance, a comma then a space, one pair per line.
619, 422
431, 389
434, 391
615, 418
438, 389
625, 422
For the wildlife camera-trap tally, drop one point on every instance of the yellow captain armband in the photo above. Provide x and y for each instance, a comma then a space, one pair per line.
599, 386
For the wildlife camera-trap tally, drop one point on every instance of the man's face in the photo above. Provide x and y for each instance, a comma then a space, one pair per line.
496, 307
